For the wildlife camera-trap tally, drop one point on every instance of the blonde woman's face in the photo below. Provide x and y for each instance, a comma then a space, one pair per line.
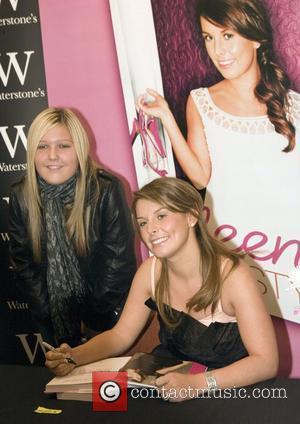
55, 158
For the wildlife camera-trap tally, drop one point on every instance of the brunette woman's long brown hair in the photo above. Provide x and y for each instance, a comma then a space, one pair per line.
181, 197
249, 19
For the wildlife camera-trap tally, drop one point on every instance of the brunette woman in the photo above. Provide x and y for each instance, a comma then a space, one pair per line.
209, 306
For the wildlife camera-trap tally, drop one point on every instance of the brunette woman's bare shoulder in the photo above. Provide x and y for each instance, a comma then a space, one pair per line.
238, 285
144, 272
193, 115
226, 266
146, 266
237, 275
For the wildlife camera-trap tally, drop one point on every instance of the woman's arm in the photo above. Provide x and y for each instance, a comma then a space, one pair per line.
192, 154
241, 297
117, 340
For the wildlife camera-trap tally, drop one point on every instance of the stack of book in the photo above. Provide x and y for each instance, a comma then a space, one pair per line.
142, 369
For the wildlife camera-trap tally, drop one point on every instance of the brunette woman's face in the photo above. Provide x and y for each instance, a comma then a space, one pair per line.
232, 54
164, 232
55, 158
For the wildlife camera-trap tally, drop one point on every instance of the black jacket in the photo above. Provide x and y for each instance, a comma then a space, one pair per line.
108, 268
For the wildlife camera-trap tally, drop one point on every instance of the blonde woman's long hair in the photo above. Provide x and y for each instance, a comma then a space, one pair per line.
87, 169
180, 197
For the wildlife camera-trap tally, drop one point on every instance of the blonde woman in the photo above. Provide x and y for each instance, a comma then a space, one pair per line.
209, 307
71, 238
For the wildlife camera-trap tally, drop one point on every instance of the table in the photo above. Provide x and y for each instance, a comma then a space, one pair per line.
21, 390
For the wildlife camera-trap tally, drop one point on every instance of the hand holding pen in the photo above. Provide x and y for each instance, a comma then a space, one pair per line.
69, 359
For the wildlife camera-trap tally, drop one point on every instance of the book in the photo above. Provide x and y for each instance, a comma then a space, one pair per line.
83, 396
142, 369
81, 378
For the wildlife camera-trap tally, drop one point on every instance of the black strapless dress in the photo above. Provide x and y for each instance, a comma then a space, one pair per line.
215, 346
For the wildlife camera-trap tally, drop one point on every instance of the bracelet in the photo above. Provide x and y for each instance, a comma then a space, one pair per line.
211, 382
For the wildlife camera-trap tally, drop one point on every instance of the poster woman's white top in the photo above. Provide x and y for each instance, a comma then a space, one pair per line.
253, 196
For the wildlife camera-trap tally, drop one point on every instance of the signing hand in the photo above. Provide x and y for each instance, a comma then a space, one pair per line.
57, 361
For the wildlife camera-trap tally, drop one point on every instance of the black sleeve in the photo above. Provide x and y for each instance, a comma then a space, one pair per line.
113, 260
28, 273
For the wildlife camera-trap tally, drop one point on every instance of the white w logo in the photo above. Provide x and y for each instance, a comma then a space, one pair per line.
20, 135
14, 4
15, 64
39, 342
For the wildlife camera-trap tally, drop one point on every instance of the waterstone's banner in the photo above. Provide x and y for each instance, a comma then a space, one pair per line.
250, 174
22, 95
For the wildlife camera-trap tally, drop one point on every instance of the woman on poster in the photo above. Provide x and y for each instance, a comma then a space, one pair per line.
242, 141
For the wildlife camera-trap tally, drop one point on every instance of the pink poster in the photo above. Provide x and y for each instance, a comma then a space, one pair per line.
252, 199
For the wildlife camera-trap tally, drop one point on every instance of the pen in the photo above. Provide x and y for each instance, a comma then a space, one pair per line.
53, 349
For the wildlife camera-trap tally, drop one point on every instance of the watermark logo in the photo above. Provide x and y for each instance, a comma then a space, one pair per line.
110, 391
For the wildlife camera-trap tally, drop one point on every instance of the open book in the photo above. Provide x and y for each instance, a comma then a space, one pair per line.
142, 368
80, 380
